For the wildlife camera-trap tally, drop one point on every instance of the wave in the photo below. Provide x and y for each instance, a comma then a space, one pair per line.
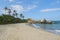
54, 31
57, 30
49, 30
36, 26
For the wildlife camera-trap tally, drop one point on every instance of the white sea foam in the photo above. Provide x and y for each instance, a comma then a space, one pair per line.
53, 31
57, 30
35, 26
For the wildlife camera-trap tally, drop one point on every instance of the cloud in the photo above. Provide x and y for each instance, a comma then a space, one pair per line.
31, 7
49, 10
18, 8
10, 0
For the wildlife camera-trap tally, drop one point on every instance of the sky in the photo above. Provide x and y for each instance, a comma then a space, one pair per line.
35, 9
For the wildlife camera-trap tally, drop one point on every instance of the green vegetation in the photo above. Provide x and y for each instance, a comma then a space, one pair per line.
8, 18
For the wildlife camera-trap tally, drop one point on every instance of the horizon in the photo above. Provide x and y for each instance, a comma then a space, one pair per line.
35, 9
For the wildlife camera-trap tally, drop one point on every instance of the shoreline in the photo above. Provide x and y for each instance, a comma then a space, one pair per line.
23, 31
57, 32
50, 31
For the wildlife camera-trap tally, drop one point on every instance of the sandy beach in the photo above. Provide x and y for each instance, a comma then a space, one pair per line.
23, 31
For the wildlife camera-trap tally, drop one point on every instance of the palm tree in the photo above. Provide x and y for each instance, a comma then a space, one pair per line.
9, 11
21, 15
5, 9
15, 13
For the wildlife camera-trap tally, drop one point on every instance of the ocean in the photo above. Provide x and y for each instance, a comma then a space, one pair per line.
53, 28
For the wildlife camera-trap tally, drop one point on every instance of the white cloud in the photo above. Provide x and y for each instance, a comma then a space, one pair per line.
10, 0
49, 10
18, 8
31, 7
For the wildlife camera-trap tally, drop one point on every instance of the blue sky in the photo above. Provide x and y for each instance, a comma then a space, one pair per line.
35, 9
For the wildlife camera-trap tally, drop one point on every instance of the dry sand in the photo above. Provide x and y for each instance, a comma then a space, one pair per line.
23, 31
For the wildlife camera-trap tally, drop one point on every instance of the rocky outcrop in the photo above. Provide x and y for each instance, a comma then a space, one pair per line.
44, 21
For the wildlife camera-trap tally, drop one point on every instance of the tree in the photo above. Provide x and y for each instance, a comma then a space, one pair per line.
21, 15
15, 13
5, 9
9, 11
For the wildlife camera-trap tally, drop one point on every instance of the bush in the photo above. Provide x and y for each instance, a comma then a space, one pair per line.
8, 19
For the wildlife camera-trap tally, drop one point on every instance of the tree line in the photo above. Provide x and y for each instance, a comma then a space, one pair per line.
11, 16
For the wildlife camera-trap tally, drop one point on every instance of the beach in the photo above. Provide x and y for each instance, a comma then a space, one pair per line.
24, 31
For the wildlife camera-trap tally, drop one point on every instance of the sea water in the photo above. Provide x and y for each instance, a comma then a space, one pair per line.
54, 28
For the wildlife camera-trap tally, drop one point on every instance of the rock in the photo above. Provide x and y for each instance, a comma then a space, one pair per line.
43, 21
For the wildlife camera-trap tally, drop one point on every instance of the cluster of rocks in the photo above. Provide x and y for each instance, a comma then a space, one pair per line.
44, 21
